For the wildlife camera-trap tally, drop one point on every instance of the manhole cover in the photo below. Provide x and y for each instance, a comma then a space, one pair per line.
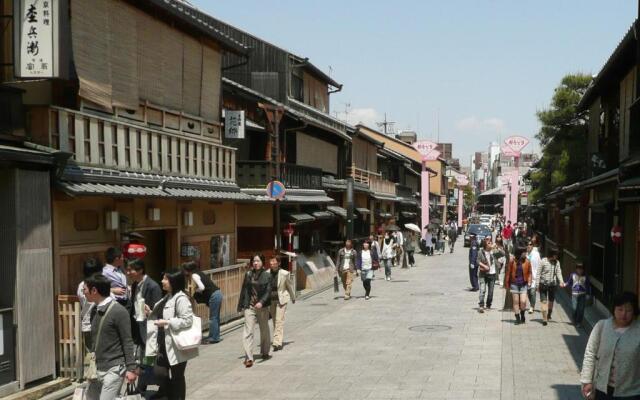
428, 294
429, 328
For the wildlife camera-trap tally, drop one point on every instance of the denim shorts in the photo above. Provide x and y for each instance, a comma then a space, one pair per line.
515, 289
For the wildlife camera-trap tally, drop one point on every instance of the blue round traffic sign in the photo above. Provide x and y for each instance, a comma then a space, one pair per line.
276, 190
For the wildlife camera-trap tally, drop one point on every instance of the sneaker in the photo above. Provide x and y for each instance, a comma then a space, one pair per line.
347, 297
481, 310
367, 297
531, 311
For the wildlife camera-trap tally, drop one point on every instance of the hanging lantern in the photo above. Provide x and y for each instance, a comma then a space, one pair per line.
135, 250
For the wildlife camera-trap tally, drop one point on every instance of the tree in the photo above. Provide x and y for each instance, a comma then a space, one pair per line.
563, 137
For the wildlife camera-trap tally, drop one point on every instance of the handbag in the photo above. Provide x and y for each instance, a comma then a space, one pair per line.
188, 338
375, 265
336, 285
90, 366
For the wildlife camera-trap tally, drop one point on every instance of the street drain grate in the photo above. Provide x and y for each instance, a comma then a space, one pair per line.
319, 304
398, 281
429, 328
428, 294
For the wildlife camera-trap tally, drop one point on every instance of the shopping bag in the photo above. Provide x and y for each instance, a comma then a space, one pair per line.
80, 393
188, 338
130, 392
336, 286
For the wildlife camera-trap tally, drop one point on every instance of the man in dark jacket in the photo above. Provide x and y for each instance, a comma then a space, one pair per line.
111, 338
473, 263
145, 293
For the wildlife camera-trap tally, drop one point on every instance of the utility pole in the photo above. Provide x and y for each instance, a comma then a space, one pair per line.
274, 115
386, 125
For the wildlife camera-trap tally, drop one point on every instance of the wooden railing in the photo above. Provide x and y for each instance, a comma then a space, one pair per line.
259, 173
380, 185
110, 142
229, 279
70, 343
361, 175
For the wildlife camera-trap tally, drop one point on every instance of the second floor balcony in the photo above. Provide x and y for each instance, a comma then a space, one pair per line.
257, 174
101, 141
373, 180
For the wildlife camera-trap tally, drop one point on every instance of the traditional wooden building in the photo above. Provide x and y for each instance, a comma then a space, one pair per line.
136, 109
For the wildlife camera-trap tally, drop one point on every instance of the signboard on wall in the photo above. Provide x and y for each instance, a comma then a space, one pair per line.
234, 124
35, 33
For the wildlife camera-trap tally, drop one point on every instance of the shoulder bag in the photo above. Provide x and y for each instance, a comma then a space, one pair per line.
188, 338
90, 366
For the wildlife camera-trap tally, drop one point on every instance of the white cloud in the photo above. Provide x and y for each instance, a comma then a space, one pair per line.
474, 124
365, 116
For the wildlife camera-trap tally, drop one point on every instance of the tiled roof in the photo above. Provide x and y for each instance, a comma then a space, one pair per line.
292, 196
312, 117
106, 182
197, 19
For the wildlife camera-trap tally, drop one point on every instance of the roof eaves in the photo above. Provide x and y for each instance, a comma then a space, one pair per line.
198, 20
614, 58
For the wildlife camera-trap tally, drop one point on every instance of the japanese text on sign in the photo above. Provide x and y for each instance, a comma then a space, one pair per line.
516, 143
234, 124
36, 39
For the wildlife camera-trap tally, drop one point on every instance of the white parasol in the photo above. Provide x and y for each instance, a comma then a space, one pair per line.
412, 227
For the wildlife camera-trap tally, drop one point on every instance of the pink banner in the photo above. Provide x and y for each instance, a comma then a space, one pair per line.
424, 197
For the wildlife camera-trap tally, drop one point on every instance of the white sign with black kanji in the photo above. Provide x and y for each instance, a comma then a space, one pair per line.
234, 124
36, 38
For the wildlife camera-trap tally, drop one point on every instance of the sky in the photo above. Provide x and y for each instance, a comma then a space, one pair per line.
467, 72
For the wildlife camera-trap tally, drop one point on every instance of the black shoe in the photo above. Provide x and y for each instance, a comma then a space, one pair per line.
265, 357
544, 323
275, 348
518, 322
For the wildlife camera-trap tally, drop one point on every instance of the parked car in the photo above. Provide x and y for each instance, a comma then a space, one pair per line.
480, 230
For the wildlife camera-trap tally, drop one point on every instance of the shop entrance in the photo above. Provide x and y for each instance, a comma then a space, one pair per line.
161, 251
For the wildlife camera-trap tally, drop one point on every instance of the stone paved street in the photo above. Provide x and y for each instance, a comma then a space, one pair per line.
420, 336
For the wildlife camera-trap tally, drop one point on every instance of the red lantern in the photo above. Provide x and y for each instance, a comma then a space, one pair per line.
616, 234
135, 250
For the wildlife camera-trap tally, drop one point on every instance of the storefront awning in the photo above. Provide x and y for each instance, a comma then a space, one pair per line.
408, 214
292, 196
323, 215
339, 211
384, 196
384, 215
363, 211
299, 218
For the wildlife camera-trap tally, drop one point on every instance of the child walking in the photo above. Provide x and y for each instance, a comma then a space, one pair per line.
580, 288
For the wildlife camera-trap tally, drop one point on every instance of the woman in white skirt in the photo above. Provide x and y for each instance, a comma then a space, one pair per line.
365, 262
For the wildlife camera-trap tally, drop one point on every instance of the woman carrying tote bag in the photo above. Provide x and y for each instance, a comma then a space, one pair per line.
172, 316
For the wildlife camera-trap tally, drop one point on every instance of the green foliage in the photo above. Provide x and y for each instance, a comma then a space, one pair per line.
563, 135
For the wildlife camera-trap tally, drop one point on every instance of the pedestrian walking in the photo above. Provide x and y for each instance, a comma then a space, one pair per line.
281, 293
611, 364
400, 257
580, 288
547, 281
172, 314
365, 263
206, 292
501, 257
410, 249
429, 242
517, 279
346, 267
453, 236
375, 245
534, 259
110, 340
145, 293
473, 262
90, 267
254, 303
507, 236
388, 252
486, 275
113, 270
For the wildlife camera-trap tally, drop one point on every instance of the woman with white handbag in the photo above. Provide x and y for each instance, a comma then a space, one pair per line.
177, 332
